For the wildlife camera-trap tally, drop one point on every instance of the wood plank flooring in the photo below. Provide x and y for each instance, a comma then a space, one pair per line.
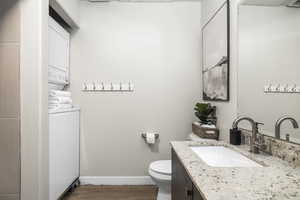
91, 192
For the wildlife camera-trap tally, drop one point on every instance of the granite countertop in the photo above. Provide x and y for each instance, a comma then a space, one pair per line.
277, 180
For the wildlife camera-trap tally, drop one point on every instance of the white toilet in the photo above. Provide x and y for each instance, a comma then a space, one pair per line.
161, 173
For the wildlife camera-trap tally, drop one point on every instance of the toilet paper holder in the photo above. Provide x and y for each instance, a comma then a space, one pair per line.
144, 135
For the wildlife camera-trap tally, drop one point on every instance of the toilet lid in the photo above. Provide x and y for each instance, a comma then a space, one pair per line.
162, 167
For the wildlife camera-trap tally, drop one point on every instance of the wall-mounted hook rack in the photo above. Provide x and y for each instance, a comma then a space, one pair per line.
96, 86
282, 88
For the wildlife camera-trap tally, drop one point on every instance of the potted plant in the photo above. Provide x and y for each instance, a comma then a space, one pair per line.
206, 127
206, 113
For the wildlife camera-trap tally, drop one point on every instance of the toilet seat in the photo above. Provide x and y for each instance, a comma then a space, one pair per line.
162, 167
161, 170
160, 177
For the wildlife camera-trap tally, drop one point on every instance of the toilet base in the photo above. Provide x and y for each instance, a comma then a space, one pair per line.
160, 172
163, 196
164, 191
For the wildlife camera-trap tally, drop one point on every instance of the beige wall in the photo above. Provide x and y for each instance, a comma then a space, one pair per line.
157, 46
9, 100
227, 111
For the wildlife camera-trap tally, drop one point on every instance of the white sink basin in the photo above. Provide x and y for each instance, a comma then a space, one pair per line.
220, 156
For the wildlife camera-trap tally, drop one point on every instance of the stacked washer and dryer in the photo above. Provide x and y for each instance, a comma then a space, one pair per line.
161, 173
64, 118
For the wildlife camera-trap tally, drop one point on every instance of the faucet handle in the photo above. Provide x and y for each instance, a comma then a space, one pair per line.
287, 137
259, 123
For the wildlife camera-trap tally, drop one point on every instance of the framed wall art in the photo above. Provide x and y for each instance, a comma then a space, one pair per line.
216, 50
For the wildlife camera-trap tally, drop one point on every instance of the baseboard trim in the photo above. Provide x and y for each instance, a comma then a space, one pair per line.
116, 180
9, 196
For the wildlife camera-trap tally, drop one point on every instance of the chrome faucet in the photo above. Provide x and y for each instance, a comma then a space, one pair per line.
254, 147
280, 121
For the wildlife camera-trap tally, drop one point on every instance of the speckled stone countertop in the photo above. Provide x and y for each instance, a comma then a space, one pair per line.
277, 180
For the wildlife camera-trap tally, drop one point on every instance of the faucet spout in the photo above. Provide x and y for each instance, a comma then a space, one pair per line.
241, 118
279, 123
253, 147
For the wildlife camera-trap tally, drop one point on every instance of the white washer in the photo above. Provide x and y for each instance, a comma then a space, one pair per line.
161, 173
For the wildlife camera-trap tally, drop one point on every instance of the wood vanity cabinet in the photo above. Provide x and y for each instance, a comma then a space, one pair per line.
182, 185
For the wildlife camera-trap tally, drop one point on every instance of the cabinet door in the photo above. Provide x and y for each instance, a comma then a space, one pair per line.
196, 194
59, 41
63, 151
59, 50
182, 186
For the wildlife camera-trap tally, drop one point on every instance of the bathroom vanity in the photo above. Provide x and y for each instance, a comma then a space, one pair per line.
183, 187
246, 176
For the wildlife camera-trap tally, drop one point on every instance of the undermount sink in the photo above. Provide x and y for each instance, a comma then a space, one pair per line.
220, 156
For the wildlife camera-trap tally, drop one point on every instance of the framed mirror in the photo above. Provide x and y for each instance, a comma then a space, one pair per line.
269, 60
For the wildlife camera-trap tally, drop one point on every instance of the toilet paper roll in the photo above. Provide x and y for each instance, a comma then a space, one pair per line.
150, 138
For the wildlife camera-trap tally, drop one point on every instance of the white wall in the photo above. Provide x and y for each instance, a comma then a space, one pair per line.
209, 8
158, 47
226, 111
